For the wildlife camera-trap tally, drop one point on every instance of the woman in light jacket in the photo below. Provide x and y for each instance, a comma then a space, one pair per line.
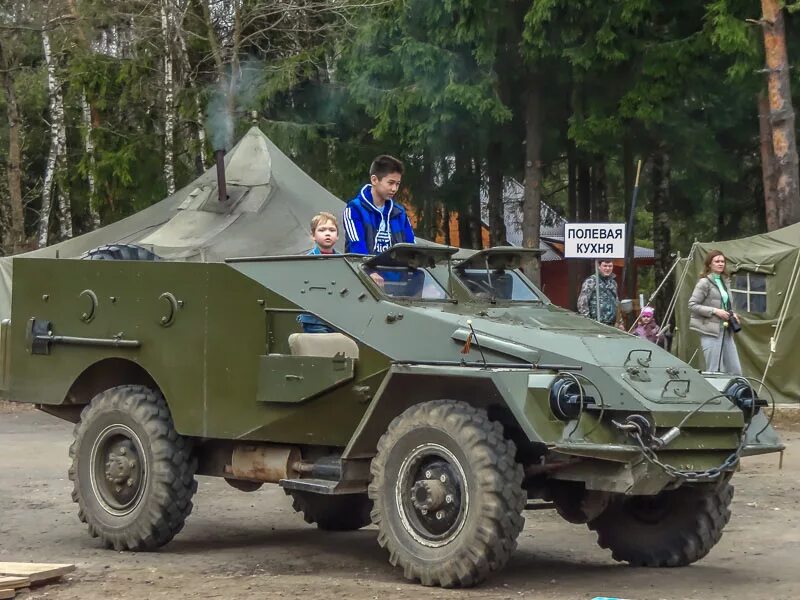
711, 314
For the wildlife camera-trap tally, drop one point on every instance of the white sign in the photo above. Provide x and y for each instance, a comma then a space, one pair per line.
594, 240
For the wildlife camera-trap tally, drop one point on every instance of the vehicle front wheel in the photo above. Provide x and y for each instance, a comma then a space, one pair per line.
448, 494
133, 474
672, 529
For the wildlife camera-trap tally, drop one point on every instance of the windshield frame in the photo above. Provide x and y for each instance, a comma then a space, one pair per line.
459, 272
365, 269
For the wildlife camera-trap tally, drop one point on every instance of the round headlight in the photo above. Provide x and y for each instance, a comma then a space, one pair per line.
565, 399
742, 394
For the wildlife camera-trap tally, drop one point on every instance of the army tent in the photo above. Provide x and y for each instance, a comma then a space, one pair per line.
764, 272
270, 204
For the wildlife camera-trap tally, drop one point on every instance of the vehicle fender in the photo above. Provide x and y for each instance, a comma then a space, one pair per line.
407, 385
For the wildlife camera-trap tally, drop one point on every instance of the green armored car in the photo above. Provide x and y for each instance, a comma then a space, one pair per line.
452, 398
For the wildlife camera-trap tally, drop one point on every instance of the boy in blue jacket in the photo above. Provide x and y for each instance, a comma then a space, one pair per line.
373, 221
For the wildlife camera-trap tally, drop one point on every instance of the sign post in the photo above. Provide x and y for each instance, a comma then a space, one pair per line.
598, 241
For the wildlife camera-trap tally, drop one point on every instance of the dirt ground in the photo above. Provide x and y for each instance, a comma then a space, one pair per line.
238, 545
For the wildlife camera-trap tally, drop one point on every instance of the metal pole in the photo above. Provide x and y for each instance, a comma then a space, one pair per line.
597, 289
629, 246
219, 156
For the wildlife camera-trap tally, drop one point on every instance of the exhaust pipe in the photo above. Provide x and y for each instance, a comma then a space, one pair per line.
219, 157
268, 464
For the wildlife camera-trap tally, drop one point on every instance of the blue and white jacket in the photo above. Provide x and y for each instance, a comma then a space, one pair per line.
369, 230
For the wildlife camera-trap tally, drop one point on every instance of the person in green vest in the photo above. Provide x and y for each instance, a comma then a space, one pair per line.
712, 316
604, 284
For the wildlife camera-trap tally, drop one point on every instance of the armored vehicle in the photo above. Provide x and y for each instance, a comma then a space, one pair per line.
453, 398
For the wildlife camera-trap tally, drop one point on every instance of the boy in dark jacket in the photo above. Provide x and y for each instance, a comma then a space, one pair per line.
373, 221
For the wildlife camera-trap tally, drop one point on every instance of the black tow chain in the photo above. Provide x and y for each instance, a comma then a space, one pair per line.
639, 428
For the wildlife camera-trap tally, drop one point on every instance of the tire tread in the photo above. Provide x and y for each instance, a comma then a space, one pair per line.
172, 474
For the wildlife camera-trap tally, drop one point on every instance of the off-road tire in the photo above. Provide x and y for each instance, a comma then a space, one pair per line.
119, 252
346, 512
489, 501
689, 525
164, 485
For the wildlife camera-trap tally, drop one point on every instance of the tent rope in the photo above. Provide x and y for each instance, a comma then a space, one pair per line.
674, 301
773, 341
658, 289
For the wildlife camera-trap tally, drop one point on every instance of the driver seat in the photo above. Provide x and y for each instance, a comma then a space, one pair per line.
322, 344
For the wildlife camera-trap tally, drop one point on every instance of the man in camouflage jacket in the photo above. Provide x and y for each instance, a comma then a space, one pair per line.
587, 300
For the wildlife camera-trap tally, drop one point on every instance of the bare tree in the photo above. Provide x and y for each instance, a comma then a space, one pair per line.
52, 156
167, 28
88, 146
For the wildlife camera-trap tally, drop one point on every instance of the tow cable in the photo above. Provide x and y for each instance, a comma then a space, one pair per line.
640, 429
635, 427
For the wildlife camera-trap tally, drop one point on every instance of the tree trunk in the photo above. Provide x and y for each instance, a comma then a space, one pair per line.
62, 174
782, 120
629, 180
494, 170
599, 192
532, 197
213, 42
584, 191
50, 166
459, 200
427, 221
198, 128
661, 229
88, 123
16, 232
771, 207
574, 270
475, 221
88, 146
628, 174
169, 98
572, 182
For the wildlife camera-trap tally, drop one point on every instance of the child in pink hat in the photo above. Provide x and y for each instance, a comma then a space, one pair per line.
647, 327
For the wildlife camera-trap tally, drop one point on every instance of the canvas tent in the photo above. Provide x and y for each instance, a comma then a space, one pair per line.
764, 272
271, 203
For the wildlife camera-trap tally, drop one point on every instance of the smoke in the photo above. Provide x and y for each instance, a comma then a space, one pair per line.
234, 97
219, 121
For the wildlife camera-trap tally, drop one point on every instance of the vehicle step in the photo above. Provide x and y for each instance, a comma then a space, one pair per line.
322, 486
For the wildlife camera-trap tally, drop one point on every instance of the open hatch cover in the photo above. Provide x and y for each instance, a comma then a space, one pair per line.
411, 255
499, 258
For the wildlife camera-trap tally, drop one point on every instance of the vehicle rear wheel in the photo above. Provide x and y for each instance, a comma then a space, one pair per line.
133, 474
346, 512
672, 529
448, 494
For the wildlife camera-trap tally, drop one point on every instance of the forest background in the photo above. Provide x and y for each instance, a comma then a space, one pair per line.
111, 106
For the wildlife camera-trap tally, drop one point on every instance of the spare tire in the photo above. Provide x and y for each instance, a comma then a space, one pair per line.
119, 252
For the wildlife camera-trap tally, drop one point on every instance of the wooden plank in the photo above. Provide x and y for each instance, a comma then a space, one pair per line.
6, 594
14, 583
36, 572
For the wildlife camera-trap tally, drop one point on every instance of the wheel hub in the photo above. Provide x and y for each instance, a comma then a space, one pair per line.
432, 495
118, 469
428, 494
121, 468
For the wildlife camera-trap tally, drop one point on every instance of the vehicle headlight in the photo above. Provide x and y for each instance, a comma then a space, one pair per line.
741, 393
565, 398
